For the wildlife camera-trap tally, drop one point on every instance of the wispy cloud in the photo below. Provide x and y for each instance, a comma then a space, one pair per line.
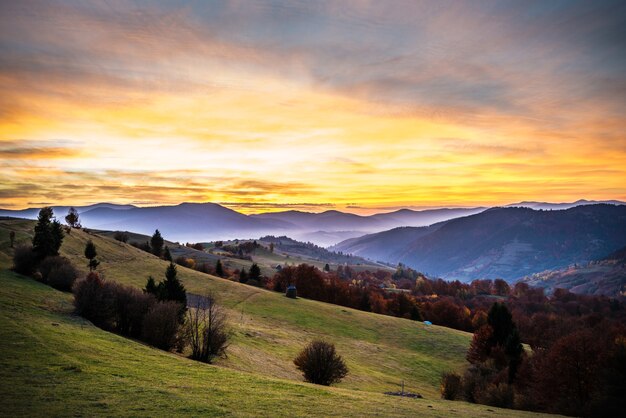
353, 102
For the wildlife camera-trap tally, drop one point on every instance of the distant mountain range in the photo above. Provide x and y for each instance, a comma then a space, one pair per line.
209, 221
508, 242
562, 206
201, 222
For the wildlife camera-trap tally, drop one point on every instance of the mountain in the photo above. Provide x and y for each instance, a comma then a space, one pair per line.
330, 220
561, 206
201, 222
501, 242
183, 222
384, 246
61, 211
331, 227
606, 276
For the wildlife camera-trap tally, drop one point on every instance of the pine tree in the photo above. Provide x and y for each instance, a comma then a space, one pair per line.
219, 270
90, 254
243, 276
166, 254
48, 235
326, 268
173, 289
156, 243
255, 272
151, 287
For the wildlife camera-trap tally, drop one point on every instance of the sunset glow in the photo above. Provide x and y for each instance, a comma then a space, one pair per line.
348, 105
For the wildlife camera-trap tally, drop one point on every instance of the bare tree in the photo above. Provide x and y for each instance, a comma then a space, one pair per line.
206, 329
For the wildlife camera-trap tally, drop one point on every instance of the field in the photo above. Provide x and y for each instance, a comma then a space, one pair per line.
54, 361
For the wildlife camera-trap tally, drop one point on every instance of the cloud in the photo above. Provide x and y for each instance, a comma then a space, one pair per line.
356, 102
38, 150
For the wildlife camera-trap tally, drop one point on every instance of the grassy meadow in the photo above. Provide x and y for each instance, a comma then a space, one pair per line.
55, 362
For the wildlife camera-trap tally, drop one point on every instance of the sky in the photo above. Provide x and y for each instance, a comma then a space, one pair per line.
353, 105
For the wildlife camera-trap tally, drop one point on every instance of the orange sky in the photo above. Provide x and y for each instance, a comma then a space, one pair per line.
163, 105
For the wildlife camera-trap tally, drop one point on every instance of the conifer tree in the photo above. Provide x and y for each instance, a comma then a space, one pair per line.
166, 254
219, 270
156, 243
48, 235
90, 254
255, 272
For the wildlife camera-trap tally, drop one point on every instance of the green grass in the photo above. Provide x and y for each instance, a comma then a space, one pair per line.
55, 362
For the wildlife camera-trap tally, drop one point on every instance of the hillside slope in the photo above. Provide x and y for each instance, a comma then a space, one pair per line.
54, 363
606, 276
269, 329
502, 242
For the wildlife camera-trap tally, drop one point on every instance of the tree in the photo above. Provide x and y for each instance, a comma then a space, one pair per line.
271, 247
48, 234
320, 364
57, 235
255, 272
90, 254
327, 268
501, 321
166, 254
156, 243
72, 218
480, 348
12, 238
172, 289
513, 350
206, 329
151, 287
219, 270
243, 276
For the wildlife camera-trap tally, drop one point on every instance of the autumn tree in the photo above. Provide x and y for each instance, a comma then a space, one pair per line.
320, 363
156, 243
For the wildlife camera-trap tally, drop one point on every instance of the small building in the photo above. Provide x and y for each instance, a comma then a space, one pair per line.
291, 292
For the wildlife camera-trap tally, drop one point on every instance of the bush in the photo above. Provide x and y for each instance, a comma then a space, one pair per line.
185, 262
24, 260
205, 330
160, 325
121, 236
94, 299
58, 272
451, 387
499, 395
320, 364
131, 306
